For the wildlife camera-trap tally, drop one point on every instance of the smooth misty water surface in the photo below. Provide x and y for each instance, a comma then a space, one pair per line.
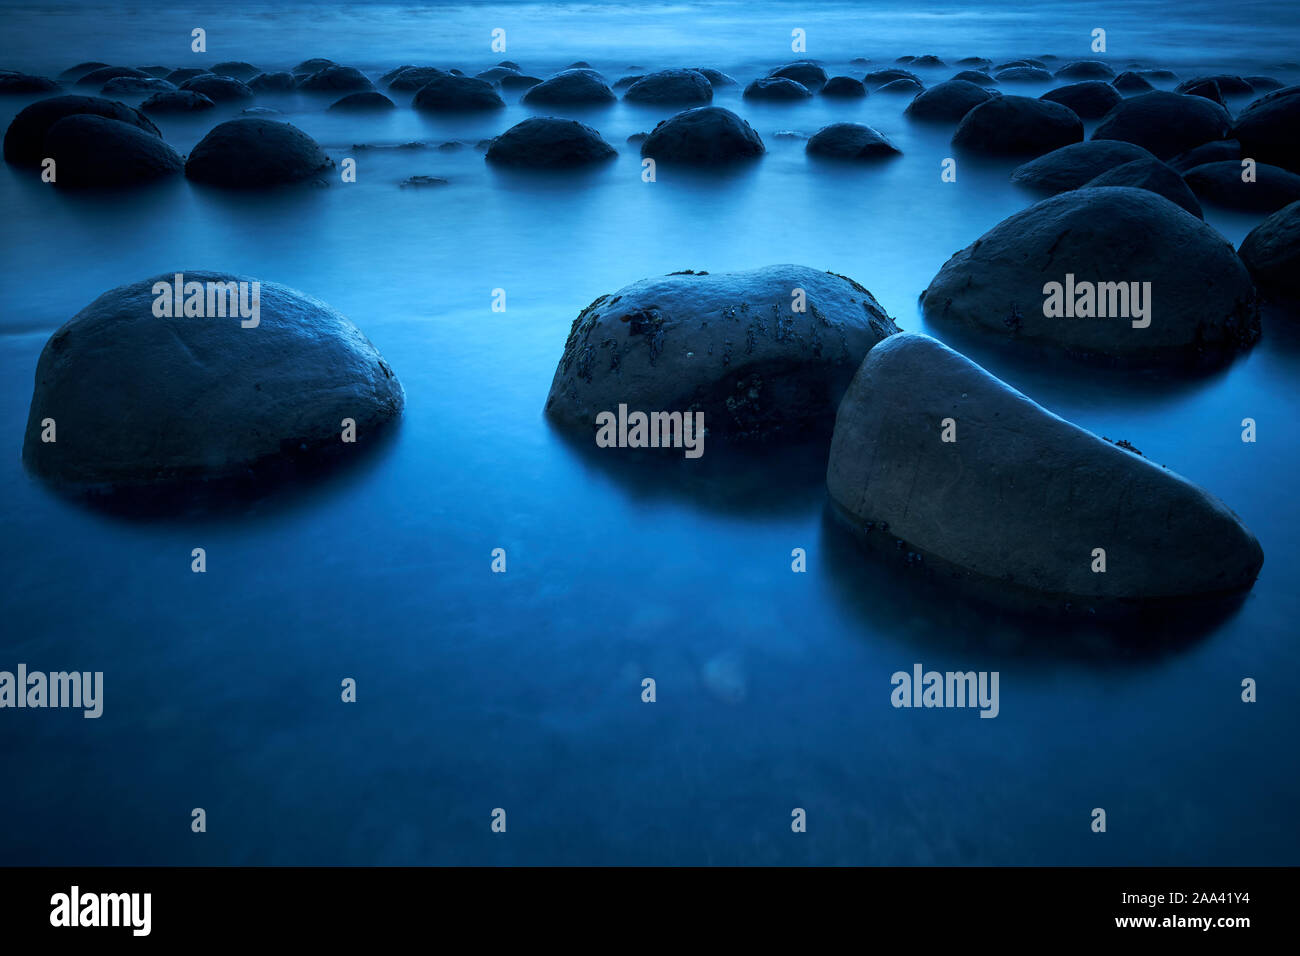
522, 690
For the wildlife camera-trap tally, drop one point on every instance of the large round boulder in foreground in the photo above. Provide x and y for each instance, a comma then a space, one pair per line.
1271, 253
547, 142
732, 346
1154, 175
948, 101
25, 137
95, 151
851, 141
1110, 273
142, 400
671, 87
1165, 124
252, 153
1017, 126
1221, 183
570, 87
1071, 166
1015, 507
704, 136
1269, 129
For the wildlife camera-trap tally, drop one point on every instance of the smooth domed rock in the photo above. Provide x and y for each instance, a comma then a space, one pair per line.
104, 74
25, 137
126, 85
337, 79
1091, 99
728, 345
313, 65
1269, 129
978, 62
236, 68
1165, 124
804, 72
976, 77
1206, 88
1217, 151
74, 73
1263, 84
496, 73
903, 87
158, 71
776, 88
1199, 306
1013, 64
851, 141
511, 65
1271, 253
95, 151
1023, 74
1221, 183
178, 101
520, 82
282, 82
1086, 70
26, 83
579, 65
1130, 82
717, 77
253, 153
843, 87
948, 102
145, 401
928, 60
1014, 508
880, 77
1017, 126
685, 87
1155, 176
457, 94
1165, 76
410, 79
178, 77
573, 86
219, 89
547, 142
706, 135
365, 101
1228, 84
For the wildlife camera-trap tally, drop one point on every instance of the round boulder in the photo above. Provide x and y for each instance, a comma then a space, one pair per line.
1222, 183
219, 89
546, 142
1227, 84
337, 79
26, 83
236, 68
179, 101
1155, 176
1091, 99
1024, 74
1071, 166
365, 101
1090, 274
571, 87
850, 141
880, 77
903, 87
779, 88
1086, 70
804, 72
104, 74
668, 87
1017, 126
1271, 253
179, 77
145, 397
1130, 82
25, 137
728, 345
704, 136
948, 102
74, 73
1269, 129
273, 83
717, 77
253, 153
844, 87
1165, 124
450, 93
977, 77
127, 85
93, 151
410, 79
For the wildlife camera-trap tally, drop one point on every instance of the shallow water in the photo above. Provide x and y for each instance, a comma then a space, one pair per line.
522, 690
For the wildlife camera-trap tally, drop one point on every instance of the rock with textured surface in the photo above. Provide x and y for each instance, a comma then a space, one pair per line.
668, 87
25, 137
704, 136
1017, 126
254, 153
1154, 175
547, 142
851, 141
1165, 124
1071, 166
95, 151
1271, 253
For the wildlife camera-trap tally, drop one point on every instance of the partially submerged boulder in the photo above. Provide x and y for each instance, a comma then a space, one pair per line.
1165, 124
1017, 126
717, 77
239, 69
1130, 82
731, 345
1215, 152
851, 141
948, 102
571, 87
179, 101
776, 88
804, 72
127, 85
219, 89
1071, 166
102, 75
282, 82
1223, 184
682, 87
366, 101
1015, 507
1023, 74
179, 77
844, 87
1227, 84
1154, 175
978, 77
902, 86
255, 153
547, 142
94, 151
411, 78
337, 79
1086, 70
1089, 274
704, 136
141, 400
1269, 129
1090, 99
877, 78
26, 83
450, 93
1271, 253
25, 137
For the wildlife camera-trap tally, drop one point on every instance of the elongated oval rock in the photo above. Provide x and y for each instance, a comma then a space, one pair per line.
731, 345
1014, 507
141, 399
1089, 274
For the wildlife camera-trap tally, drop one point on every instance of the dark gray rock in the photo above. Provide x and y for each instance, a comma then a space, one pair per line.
1215, 152
851, 141
74, 73
1072, 166
457, 94
273, 83
1269, 129
804, 72
159, 71
1271, 253
236, 68
101, 76
337, 79
1091, 99
1013, 509
93, 151
1222, 184
1154, 175
948, 102
26, 83
571, 87
1165, 124
255, 153
623, 82
1206, 88
1023, 74
1017, 126
316, 64
363, 102
222, 398
411, 78
1201, 309
1086, 70
127, 85
1130, 82
928, 60
496, 74
520, 82
547, 142
180, 101
977, 77
704, 136
1263, 84
1228, 84
671, 87
717, 77
776, 88
977, 62
179, 77
844, 87
878, 78
25, 137
219, 89
902, 87
728, 345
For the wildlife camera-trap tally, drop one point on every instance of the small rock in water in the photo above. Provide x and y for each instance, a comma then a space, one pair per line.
706, 135
422, 180
851, 141
548, 142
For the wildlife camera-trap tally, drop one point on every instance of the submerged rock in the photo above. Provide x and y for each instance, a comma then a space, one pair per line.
179, 101
1222, 184
104, 74
717, 77
26, 83
776, 88
1194, 307
1091, 99
547, 142
1013, 509
878, 78
179, 77
1165, 124
1217, 151
520, 82
1269, 129
273, 83
411, 78
574, 86
457, 94
977, 77
1227, 84
365, 101
121, 85
219, 398
236, 68
25, 137
1130, 82
728, 345
219, 89
1071, 166
93, 150
254, 153
949, 101
1023, 74
1086, 70
704, 136
844, 87
314, 65
74, 73
1155, 176
902, 86
1017, 125
337, 79
1271, 253
851, 141
685, 87
804, 72
1263, 84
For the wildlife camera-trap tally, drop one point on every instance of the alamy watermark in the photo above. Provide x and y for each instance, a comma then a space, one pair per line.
1100, 300
923, 688
651, 430
208, 300
56, 689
